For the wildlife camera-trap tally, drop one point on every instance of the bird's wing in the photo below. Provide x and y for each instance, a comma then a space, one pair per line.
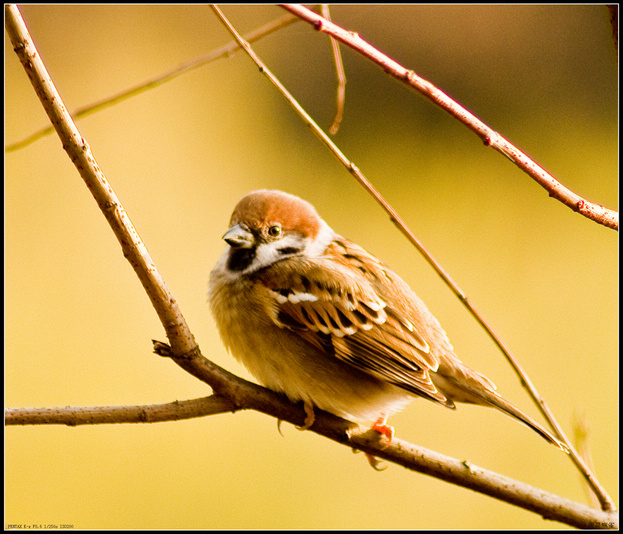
335, 304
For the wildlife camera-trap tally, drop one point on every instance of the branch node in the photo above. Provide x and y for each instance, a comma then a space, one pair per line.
580, 206
162, 349
468, 465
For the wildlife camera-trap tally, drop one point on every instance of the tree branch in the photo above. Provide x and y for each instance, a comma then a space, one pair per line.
246, 395
104, 415
79, 151
555, 189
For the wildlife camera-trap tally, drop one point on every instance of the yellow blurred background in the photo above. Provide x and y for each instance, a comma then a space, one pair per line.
78, 325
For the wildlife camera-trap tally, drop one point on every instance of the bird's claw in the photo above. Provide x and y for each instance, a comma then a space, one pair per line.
310, 417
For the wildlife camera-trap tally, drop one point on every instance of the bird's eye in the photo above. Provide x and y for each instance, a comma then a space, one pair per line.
274, 231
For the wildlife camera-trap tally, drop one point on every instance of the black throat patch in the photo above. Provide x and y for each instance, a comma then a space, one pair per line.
241, 258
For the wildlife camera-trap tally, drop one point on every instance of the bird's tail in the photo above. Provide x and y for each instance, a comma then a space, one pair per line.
507, 408
466, 385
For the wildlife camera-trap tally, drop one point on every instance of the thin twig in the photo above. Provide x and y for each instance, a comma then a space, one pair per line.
341, 77
555, 189
221, 52
605, 500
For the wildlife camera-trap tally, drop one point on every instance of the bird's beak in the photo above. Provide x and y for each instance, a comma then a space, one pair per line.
238, 237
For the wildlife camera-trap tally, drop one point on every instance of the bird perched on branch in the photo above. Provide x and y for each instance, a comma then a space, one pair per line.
316, 317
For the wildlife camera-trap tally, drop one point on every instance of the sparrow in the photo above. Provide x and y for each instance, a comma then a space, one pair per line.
314, 316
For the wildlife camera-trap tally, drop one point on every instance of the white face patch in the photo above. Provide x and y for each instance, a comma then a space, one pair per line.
266, 254
322, 241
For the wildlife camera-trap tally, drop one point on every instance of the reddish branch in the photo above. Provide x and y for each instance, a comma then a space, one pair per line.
555, 189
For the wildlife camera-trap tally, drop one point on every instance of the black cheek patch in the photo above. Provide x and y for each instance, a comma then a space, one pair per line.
287, 251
